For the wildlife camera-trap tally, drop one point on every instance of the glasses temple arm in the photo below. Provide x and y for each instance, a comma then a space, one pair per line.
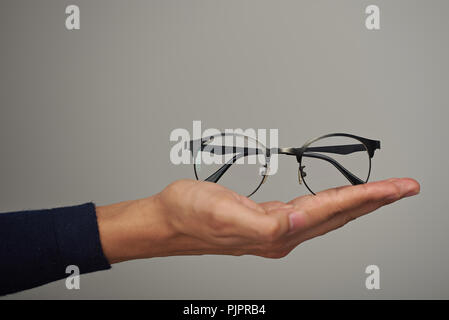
348, 175
338, 149
214, 177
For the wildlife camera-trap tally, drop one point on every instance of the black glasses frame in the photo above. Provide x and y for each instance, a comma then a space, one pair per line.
368, 145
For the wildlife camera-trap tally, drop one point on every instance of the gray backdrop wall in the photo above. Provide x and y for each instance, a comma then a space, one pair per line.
82, 110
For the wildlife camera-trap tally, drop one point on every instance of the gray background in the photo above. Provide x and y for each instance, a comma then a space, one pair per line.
86, 116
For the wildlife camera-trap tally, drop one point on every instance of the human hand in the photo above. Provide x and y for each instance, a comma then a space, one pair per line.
193, 217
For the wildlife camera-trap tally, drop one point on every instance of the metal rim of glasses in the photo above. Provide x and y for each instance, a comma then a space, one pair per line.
308, 143
267, 158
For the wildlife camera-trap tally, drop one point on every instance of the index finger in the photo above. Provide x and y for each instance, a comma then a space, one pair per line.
357, 200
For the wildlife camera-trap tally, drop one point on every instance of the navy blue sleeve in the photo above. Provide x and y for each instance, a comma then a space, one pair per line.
37, 246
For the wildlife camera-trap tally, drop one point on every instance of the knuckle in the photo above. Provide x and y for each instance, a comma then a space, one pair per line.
396, 191
178, 185
338, 206
177, 188
365, 189
171, 189
393, 192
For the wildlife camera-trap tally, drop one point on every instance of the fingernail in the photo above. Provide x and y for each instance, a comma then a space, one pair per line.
287, 206
297, 220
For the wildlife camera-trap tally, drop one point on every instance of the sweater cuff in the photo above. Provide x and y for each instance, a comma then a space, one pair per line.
78, 238
37, 246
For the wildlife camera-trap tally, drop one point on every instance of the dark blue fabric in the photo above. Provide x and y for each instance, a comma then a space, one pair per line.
37, 246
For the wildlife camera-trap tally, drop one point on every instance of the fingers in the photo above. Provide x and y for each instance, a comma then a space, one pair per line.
271, 223
349, 202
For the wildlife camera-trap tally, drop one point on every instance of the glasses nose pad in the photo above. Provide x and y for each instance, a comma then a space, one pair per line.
301, 174
264, 171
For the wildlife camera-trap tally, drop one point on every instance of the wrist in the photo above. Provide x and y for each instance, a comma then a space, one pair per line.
135, 229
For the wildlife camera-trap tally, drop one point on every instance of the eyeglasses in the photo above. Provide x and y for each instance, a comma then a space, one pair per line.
242, 163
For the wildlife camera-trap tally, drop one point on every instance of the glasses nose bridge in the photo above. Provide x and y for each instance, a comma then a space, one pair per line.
291, 151
297, 152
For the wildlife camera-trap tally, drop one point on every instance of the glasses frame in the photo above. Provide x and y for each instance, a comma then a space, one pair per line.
369, 145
